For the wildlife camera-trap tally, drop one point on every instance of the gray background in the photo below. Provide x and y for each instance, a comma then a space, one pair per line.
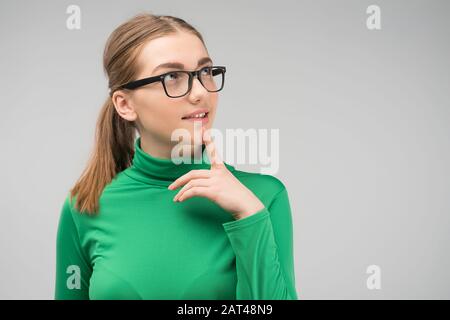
363, 118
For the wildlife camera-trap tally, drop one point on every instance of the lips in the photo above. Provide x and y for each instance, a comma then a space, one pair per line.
198, 119
199, 114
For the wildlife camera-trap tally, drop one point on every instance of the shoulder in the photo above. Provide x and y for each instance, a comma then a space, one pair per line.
120, 180
265, 180
67, 207
66, 218
69, 213
263, 185
68, 210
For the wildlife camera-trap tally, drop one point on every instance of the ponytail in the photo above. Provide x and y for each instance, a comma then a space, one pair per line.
114, 139
113, 152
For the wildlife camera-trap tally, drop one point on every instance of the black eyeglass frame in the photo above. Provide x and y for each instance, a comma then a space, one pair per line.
142, 82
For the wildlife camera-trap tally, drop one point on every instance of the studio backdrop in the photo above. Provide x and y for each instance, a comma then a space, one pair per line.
351, 99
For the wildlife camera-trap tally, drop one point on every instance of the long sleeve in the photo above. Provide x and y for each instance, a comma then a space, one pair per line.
263, 244
73, 269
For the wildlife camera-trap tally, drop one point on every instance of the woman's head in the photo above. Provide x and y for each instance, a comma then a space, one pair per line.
133, 51
155, 114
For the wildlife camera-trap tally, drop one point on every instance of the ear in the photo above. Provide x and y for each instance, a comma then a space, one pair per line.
124, 106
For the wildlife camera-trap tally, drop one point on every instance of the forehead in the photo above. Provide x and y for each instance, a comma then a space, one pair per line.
181, 47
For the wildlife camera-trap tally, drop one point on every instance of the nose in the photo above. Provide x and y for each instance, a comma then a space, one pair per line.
197, 89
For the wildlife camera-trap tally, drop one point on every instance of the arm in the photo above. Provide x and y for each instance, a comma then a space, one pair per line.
263, 244
73, 269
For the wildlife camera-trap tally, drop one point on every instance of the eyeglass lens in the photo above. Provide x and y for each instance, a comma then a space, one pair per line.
177, 82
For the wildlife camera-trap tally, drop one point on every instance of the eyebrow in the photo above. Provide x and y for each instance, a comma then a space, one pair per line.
178, 65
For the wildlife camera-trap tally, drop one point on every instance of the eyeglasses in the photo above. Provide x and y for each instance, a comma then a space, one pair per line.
178, 83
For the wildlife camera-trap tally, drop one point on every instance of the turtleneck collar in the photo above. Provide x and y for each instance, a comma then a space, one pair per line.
152, 170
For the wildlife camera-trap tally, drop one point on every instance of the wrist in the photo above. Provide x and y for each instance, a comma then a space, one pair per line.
251, 210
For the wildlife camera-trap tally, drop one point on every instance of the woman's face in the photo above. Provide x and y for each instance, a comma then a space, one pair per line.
156, 114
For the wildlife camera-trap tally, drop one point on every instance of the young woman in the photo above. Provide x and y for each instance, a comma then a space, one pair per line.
138, 225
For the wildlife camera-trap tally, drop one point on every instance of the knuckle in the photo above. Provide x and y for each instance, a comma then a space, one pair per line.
194, 183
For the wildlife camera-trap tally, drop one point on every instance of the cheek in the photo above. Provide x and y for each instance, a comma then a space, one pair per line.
214, 99
158, 114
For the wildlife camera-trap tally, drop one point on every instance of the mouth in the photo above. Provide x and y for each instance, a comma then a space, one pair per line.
200, 116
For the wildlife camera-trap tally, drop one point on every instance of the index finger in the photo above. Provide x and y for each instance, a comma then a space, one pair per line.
213, 154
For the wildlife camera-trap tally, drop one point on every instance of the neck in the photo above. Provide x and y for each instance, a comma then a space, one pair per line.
157, 149
160, 171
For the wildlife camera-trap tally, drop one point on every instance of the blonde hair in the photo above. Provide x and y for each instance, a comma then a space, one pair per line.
114, 136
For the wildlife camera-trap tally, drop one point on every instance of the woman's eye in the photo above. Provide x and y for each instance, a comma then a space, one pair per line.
206, 70
172, 76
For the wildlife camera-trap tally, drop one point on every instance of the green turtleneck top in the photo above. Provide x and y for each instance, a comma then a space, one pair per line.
142, 245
